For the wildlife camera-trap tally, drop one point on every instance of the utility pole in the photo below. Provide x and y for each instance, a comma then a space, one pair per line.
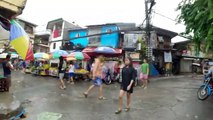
148, 11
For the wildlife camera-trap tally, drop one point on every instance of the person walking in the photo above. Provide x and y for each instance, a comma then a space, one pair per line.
127, 84
144, 73
71, 73
15, 64
7, 67
97, 78
24, 66
61, 71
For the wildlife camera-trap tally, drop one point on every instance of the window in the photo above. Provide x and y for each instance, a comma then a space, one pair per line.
109, 30
58, 30
54, 45
77, 35
28, 29
160, 38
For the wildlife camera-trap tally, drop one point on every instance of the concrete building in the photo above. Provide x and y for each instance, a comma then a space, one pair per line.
41, 43
161, 46
59, 33
100, 35
186, 55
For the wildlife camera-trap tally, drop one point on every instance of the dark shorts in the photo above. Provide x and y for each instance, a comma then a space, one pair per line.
71, 74
98, 81
124, 88
8, 77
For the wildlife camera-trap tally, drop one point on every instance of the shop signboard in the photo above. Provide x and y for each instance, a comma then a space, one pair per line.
131, 40
167, 57
134, 55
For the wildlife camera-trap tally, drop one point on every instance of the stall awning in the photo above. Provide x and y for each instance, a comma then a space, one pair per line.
90, 52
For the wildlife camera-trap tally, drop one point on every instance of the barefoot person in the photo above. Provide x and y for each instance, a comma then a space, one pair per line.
97, 77
128, 78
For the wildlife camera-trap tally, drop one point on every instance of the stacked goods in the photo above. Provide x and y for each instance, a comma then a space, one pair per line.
81, 71
53, 71
3, 84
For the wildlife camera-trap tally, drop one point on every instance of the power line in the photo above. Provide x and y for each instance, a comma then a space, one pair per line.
166, 17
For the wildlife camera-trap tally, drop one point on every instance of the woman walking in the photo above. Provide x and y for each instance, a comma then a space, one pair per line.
128, 78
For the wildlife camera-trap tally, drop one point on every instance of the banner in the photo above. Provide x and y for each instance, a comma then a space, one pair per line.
167, 57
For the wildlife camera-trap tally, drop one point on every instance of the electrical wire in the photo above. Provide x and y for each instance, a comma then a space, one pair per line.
164, 16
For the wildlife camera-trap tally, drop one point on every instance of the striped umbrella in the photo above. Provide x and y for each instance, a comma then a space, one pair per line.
41, 56
58, 53
13, 55
20, 41
78, 56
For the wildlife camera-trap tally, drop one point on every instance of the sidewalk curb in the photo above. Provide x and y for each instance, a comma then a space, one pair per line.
172, 77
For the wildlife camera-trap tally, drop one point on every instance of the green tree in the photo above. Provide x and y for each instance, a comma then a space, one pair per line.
197, 15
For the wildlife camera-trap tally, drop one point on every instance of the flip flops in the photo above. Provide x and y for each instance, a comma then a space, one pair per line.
118, 111
85, 95
127, 109
102, 98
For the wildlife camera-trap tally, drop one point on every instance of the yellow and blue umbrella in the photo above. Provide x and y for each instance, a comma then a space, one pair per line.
20, 41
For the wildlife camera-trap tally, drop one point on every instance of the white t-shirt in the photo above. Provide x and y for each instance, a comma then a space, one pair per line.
92, 67
72, 69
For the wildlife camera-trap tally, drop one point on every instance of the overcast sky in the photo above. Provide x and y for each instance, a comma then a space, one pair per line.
89, 12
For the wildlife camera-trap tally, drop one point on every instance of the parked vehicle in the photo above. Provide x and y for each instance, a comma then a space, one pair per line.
107, 76
206, 89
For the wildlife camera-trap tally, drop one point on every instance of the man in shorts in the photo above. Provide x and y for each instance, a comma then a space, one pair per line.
97, 77
144, 73
7, 67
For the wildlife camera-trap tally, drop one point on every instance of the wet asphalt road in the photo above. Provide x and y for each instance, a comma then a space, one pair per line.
173, 99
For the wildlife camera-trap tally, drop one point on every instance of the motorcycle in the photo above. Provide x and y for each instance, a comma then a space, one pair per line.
206, 89
107, 78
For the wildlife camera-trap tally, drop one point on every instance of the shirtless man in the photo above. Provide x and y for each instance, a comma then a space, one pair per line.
97, 77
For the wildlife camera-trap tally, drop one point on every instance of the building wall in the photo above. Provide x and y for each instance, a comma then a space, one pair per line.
83, 41
185, 66
56, 45
94, 40
111, 40
187, 49
41, 49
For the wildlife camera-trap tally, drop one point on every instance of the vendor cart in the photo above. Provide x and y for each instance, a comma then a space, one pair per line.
81, 74
53, 70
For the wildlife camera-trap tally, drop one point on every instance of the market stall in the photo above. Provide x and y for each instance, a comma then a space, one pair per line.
29, 67
41, 65
53, 70
79, 58
54, 61
113, 56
